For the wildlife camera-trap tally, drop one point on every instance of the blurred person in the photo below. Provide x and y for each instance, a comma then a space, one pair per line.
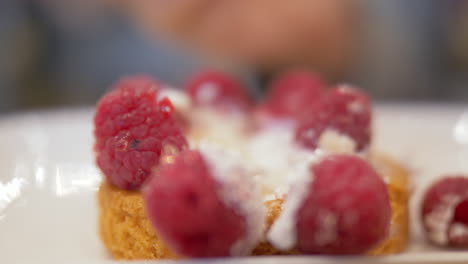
67, 53
78, 48
268, 35
58, 52
394, 49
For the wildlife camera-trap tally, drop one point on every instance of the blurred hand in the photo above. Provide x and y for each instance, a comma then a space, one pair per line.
265, 33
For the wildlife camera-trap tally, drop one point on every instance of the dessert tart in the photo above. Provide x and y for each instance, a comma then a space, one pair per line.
205, 172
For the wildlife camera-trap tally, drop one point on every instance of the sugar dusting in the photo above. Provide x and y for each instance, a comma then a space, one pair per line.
355, 106
283, 234
346, 88
438, 221
238, 191
207, 93
328, 221
458, 230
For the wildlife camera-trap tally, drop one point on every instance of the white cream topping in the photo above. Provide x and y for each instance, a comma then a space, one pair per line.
278, 159
209, 126
266, 166
335, 142
267, 151
270, 152
283, 234
274, 160
178, 98
238, 191
270, 161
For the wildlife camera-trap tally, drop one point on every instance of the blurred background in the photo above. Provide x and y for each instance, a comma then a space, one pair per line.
60, 53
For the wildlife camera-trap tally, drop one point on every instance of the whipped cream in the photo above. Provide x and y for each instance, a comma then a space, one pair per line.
178, 98
238, 191
283, 233
270, 152
277, 159
221, 129
268, 162
336, 142
269, 159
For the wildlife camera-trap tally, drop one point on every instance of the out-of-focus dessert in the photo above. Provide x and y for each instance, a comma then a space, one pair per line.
207, 172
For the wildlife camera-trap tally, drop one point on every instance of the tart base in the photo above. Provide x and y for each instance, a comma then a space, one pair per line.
127, 233
124, 228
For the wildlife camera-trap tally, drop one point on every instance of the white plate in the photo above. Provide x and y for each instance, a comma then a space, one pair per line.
48, 182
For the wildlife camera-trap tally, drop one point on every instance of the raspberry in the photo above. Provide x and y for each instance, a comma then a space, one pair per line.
132, 128
185, 203
291, 94
343, 109
346, 209
219, 90
444, 211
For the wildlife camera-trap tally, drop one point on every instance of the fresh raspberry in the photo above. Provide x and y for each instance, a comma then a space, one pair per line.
184, 204
217, 89
444, 211
344, 109
132, 128
346, 210
291, 94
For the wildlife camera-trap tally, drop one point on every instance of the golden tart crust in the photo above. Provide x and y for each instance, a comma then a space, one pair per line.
127, 233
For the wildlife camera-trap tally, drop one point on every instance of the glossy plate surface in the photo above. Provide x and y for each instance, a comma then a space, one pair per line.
48, 182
